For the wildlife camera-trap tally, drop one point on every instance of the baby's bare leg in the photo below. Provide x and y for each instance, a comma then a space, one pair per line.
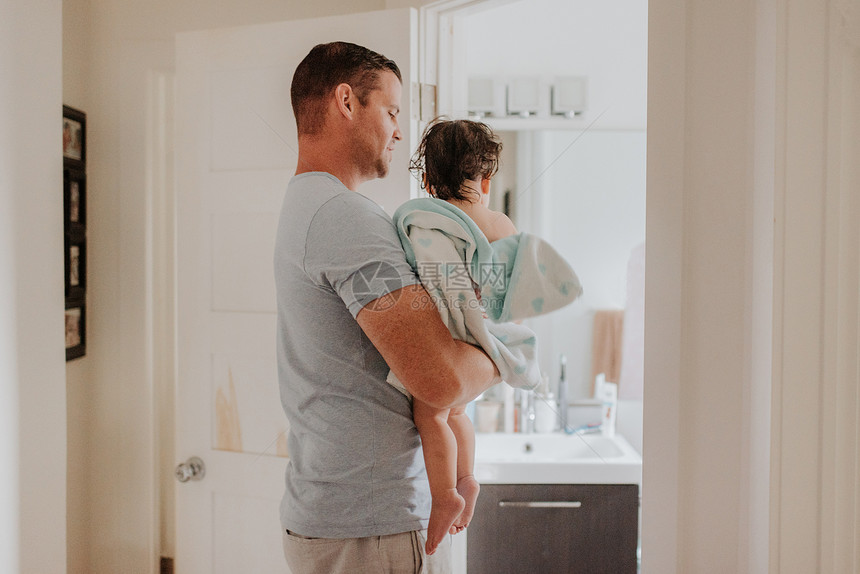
440, 458
467, 486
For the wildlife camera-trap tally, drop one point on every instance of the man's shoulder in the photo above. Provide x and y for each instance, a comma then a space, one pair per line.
319, 185
319, 198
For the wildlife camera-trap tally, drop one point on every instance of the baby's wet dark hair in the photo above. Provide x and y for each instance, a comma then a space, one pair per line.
452, 152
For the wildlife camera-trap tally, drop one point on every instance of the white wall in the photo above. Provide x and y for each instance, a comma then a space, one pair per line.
32, 378
604, 41
748, 265
699, 197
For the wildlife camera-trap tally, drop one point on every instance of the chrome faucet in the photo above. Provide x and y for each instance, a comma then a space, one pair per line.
562, 395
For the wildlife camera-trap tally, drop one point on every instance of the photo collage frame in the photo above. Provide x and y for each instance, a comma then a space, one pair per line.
75, 229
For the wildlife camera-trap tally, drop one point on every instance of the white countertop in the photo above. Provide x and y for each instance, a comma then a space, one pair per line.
504, 458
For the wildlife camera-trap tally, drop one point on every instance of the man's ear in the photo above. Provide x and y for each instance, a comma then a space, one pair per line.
345, 99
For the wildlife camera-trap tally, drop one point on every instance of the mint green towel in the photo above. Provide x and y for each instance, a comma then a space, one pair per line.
518, 277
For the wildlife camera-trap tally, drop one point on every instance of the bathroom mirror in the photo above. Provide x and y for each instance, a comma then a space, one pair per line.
578, 180
584, 192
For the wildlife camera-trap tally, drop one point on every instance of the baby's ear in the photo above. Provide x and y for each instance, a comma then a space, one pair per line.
485, 186
427, 187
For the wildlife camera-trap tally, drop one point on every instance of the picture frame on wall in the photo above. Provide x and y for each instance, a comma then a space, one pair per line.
75, 329
75, 229
76, 269
75, 235
74, 137
75, 199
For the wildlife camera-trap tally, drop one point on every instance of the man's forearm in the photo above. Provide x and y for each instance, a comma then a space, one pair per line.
477, 372
436, 368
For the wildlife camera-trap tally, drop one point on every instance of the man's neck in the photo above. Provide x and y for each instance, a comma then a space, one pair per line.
316, 155
350, 183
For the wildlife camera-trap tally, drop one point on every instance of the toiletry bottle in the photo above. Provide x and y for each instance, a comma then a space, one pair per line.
608, 394
546, 409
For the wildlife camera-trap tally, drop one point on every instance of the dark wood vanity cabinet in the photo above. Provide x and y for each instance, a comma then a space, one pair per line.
554, 529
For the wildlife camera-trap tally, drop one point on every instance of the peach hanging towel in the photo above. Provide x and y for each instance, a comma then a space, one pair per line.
606, 344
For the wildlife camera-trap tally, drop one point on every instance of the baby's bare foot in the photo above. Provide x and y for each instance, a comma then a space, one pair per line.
468, 488
447, 506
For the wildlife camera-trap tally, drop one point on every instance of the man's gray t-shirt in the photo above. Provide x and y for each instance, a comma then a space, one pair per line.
355, 467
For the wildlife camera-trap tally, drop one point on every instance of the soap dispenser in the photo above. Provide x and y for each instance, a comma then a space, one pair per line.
608, 395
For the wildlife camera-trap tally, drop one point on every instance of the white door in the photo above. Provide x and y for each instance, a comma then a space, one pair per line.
235, 153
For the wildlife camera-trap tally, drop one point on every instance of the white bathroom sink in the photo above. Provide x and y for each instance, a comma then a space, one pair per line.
505, 458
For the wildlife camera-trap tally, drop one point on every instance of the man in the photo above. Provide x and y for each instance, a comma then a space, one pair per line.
349, 309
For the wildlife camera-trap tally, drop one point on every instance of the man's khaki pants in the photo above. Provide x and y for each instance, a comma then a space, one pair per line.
393, 554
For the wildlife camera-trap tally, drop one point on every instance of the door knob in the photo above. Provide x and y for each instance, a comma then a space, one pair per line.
191, 469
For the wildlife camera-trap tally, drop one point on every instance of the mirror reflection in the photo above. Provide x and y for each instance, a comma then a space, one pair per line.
572, 115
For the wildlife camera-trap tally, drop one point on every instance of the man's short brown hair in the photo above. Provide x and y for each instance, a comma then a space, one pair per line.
324, 68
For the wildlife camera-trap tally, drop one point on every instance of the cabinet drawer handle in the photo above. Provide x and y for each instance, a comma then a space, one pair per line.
562, 504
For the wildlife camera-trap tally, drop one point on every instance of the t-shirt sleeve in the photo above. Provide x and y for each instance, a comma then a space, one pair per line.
352, 247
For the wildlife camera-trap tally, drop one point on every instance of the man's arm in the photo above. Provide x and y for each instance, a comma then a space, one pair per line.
406, 329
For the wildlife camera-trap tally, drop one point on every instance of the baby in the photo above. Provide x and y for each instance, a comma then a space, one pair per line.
455, 162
